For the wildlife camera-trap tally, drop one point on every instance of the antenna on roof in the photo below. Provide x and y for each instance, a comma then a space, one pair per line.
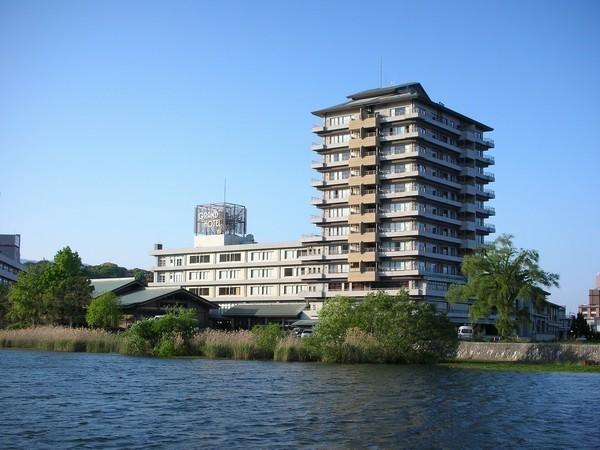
381, 71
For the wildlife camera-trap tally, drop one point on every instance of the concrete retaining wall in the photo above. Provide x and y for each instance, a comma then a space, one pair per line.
527, 352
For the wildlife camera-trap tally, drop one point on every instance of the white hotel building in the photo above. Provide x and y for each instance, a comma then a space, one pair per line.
403, 195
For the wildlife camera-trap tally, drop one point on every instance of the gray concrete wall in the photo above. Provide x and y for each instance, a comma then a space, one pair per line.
527, 352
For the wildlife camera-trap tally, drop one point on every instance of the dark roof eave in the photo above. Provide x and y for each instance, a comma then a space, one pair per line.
210, 304
358, 100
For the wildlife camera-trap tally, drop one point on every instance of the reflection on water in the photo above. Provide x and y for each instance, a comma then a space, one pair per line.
54, 400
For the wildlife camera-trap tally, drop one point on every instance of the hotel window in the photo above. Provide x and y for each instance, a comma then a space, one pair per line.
229, 290
179, 277
261, 290
261, 273
197, 276
400, 111
339, 120
229, 274
338, 268
290, 289
289, 254
230, 257
199, 259
261, 256
178, 262
161, 261
200, 291
288, 272
161, 278
337, 138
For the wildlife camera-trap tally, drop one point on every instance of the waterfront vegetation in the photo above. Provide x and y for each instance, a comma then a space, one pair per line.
381, 329
498, 275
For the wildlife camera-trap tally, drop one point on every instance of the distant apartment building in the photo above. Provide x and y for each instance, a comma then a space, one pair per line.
10, 258
402, 196
591, 311
226, 266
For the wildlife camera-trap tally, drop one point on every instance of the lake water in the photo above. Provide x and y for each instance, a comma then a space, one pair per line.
79, 400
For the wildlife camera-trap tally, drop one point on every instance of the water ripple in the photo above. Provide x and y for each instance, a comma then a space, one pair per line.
92, 401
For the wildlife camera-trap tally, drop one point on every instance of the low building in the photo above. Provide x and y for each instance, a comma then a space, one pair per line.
591, 311
226, 266
10, 258
140, 302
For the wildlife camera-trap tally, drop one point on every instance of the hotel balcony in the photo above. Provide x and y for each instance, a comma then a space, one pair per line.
312, 257
468, 226
320, 146
368, 177
366, 159
356, 238
367, 141
320, 164
367, 198
314, 276
470, 244
317, 201
367, 217
475, 137
368, 121
488, 193
320, 182
366, 274
320, 218
322, 128
487, 228
364, 256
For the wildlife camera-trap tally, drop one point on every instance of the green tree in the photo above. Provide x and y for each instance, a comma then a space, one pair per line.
4, 305
400, 330
497, 276
580, 327
104, 311
28, 298
69, 288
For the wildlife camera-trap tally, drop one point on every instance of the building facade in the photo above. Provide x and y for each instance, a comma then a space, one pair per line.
227, 267
591, 311
403, 192
10, 258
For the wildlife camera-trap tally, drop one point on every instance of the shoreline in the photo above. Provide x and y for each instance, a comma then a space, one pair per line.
491, 366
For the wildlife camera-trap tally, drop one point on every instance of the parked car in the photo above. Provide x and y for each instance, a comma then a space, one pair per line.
465, 333
306, 333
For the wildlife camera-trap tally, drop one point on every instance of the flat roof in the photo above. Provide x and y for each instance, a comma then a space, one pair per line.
227, 248
291, 310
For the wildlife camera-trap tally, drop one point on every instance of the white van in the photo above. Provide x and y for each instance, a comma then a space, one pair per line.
465, 332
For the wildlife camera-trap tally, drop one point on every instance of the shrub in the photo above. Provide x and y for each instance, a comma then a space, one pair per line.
104, 311
291, 348
267, 337
383, 328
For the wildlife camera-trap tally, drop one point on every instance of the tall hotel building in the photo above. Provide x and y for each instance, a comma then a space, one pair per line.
402, 195
401, 198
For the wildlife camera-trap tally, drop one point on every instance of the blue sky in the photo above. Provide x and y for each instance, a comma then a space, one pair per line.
117, 118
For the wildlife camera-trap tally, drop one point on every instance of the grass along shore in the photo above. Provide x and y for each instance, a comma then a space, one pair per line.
242, 345
239, 345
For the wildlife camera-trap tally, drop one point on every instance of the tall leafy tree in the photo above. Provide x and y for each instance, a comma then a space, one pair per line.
4, 305
497, 276
28, 298
69, 288
580, 327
